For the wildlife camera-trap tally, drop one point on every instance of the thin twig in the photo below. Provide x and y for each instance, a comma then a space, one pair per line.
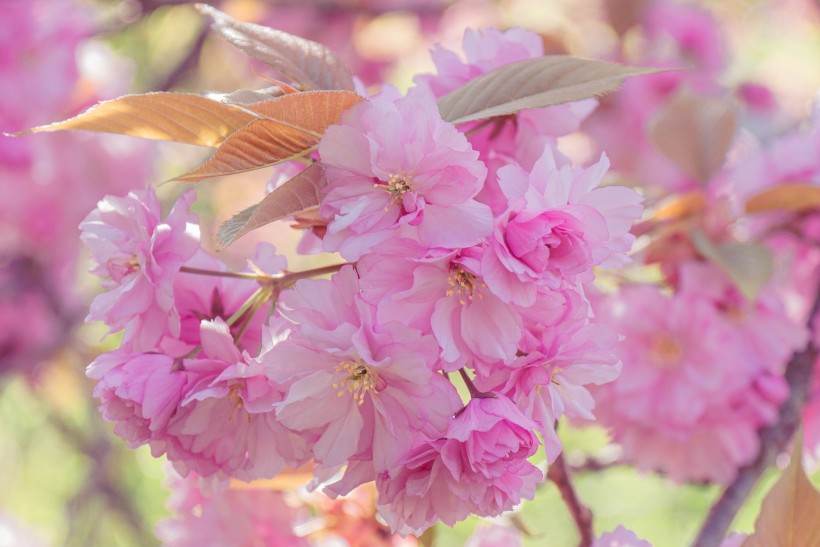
773, 440
217, 273
581, 514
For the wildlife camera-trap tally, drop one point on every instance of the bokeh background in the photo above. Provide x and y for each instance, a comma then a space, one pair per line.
65, 479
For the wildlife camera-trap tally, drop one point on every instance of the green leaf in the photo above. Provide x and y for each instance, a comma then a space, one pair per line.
300, 193
748, 265
695, 133
533, 83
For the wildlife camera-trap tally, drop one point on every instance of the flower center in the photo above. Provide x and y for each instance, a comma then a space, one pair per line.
397, 185
120, 267
235, 398
464, 284
665, 352
360, 379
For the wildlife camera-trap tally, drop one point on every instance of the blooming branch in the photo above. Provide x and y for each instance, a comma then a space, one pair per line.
773, 439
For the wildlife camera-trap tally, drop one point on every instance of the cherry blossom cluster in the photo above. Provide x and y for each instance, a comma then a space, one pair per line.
703, 361
42, 41
467, 253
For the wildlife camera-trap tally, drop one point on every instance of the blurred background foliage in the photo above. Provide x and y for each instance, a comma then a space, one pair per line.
63, 473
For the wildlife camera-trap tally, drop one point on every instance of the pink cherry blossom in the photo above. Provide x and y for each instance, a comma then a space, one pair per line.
686, 32
226, 423
241, 518
620, 537
365, 390
561, 353
138, 255
138, 392
558, 224
495, 536
480, 466
525, 139
688, 401
443, 294
395, 164
484, 51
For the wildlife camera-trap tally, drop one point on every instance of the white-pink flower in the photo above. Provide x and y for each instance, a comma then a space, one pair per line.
139, 256
558, 224
363, 390
689, 401
138, 392
224, 516
394, 164
620, 537
226, 424
443, 294
479, 467
560, 354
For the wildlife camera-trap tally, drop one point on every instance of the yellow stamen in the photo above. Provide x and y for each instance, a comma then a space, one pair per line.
465, 285
359, 381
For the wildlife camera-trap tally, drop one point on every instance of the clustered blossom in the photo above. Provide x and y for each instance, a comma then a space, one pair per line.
240, 378
470, 256
49, 182
702, 373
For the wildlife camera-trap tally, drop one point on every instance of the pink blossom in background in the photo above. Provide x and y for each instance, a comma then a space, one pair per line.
495, 536
790, 158
394, 164
25, 291
685, 32
689, 400
352, 520
678, 35
620, 537
139, 255
39, 45
49, 182
364, 390
241, 518
479, 467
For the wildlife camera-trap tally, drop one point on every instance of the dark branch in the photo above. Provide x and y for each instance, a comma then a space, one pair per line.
773, 440
581, 514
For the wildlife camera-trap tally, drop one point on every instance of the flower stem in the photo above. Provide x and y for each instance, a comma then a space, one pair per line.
287, 280
581, 514
475, 393
283, 279
236, 275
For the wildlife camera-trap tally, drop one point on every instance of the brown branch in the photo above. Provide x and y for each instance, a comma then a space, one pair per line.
581, 514
773, 440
